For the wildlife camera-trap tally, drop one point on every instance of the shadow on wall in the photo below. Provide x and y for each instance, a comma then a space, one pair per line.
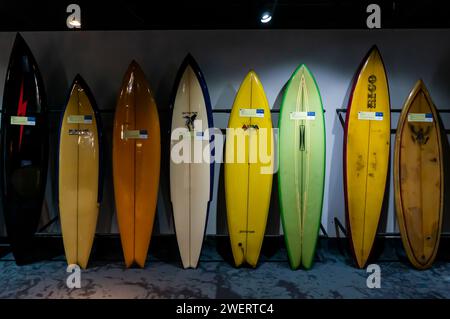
225, 101
106, 217
336, 184
273, 220
336, 203
446, 150
57, 89
164, 215
441, 79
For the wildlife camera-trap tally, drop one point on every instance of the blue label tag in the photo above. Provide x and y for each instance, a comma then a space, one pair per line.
259, 111
379, 114
88, 117
429, 116
311, 113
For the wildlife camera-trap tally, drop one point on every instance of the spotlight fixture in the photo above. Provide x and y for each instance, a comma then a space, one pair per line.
266, 17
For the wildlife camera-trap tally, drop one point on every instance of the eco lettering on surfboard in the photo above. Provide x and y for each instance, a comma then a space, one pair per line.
372, 95
23, 120
251, 112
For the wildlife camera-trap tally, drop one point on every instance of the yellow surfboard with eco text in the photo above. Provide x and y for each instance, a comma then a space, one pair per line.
366, 154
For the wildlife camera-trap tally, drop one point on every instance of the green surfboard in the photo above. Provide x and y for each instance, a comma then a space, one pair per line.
301, 174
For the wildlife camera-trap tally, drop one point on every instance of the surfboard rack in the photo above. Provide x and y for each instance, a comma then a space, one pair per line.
324, 232
340, 111
109, 111
51, 222
338, 223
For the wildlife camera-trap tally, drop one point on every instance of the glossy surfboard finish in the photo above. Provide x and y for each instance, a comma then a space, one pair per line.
191, 177
78, 173
301, 172
136, 164
248, 170
24, 149
366, 154
419, 177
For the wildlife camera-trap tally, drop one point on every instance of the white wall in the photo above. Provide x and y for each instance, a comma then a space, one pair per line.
225, 57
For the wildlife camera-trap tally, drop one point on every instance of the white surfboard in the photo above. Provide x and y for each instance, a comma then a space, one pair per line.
191, 175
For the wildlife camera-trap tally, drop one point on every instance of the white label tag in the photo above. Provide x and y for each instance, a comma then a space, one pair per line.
302, 116
370, 116
79, 119
135, 134
251, 112
420, 117
23, 120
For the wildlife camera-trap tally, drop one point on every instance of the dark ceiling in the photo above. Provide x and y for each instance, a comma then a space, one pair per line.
35, 15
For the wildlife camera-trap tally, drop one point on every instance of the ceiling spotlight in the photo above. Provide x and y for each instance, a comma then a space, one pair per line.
266, 17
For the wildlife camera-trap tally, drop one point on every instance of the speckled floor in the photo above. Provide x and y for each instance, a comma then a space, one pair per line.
332, 276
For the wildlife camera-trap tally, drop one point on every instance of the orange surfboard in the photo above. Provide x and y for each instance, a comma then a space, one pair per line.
419, 177
136, 164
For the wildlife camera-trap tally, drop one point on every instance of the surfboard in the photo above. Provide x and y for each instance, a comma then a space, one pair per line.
78, 173
366, 154
24, 150
419, 177
301, 175
136, 164
191, 166
248, 170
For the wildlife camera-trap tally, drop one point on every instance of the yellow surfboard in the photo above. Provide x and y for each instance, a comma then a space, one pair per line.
136, 164
366, 154
248, 170
78, 178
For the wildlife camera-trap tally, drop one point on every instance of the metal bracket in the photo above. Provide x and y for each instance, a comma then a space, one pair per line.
393, 131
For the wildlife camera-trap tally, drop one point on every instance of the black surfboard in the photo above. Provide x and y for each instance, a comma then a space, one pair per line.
24, 148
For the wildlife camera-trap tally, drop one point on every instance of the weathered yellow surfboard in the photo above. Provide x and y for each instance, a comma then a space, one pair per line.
419, 177
248, 170
78, 181
366, 154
